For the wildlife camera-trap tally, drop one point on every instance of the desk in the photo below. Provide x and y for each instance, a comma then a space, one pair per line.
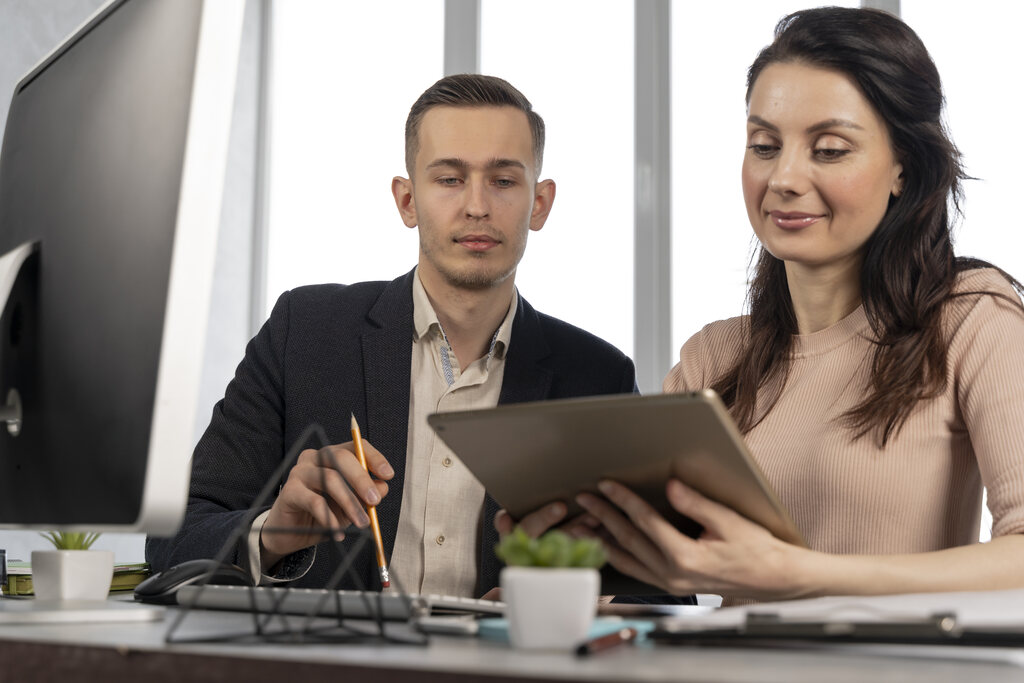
137, 653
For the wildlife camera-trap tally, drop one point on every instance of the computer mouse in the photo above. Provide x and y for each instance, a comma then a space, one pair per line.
162, 588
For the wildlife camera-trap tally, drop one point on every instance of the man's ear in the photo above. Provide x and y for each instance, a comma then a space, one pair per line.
401, 188
544, 197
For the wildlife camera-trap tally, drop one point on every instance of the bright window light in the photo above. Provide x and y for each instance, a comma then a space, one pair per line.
344, 76
573, 59
977, 54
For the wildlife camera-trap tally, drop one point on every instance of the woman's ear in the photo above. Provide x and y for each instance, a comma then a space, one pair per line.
897, 186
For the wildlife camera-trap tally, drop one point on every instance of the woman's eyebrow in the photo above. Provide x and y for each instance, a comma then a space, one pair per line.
815, 128
833, 123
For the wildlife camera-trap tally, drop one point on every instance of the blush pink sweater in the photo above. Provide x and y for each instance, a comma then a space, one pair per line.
923, 491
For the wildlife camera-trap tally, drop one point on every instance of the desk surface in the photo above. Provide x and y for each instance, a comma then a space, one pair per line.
137, 653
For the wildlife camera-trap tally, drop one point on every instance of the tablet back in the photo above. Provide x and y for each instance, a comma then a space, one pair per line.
530, 454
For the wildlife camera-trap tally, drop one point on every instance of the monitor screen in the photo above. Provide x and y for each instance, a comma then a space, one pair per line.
110, 184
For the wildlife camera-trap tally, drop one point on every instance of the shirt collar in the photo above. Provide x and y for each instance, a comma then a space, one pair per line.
424, 319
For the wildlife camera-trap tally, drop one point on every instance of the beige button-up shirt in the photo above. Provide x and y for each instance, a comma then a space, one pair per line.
442, 502
436, 548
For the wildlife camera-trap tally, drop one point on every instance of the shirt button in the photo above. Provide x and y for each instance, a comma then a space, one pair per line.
440, 539
447, 462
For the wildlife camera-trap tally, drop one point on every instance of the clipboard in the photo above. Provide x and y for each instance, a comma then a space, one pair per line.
940, 628
973, 618
530, 454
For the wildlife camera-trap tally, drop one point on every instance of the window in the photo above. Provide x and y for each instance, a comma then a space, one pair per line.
978, 69
573, 59
344, 76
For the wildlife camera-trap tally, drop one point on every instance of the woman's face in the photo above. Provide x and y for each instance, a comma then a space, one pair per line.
819, 166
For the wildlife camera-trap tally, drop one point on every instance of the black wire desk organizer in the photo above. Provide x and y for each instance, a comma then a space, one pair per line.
324, 620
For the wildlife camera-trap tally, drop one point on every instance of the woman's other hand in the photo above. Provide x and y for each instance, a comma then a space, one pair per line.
733, 557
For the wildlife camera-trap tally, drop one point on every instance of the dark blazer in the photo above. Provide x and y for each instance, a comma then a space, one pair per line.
331, 350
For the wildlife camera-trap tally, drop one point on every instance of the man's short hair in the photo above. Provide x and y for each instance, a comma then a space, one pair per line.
471, 90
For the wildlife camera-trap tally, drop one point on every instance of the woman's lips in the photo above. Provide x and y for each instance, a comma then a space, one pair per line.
794, 220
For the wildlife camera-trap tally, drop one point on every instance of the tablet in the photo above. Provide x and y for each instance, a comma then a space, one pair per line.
530, 454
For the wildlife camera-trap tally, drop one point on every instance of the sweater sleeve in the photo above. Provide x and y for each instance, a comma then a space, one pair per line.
986, 357
688, 373
706, 355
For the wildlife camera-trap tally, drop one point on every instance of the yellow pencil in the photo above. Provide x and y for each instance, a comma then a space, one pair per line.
371, 510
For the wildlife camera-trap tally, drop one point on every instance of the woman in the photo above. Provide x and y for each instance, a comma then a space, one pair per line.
879, 380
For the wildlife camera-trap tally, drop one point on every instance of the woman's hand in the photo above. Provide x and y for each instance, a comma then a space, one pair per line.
535, 523
733, 556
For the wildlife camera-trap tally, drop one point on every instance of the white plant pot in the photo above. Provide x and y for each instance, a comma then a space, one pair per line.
72, 574
548, 608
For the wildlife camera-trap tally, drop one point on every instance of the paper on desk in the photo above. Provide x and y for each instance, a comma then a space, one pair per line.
973, 610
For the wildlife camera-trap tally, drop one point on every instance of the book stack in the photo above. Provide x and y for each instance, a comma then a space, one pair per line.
126, 577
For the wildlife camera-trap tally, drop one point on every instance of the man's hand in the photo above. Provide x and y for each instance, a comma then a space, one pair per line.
327, 489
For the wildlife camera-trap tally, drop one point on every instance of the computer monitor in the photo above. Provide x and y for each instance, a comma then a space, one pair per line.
111, 175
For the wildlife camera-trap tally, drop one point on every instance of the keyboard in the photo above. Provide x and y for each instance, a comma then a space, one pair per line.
332, 603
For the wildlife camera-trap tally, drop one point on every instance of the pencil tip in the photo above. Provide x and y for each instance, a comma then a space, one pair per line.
354, 423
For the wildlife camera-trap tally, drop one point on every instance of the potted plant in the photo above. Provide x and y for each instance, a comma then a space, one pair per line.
550, 586
72, 571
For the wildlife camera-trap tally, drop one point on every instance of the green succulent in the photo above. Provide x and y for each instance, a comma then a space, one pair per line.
70, 540
553, 549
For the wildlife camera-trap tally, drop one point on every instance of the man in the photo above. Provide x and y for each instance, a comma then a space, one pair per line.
452, 334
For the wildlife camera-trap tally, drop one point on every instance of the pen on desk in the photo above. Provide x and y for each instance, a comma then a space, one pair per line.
371, 511
622, 635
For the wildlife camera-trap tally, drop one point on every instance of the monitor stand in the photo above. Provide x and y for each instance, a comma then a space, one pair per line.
11, 265
33, 611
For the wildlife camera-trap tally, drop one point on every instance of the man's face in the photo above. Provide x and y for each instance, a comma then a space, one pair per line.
474, 195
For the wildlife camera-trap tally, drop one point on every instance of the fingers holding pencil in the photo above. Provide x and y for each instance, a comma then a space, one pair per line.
328, 488
371, 510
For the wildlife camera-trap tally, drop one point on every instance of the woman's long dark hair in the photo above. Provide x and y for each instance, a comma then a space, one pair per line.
909, 270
